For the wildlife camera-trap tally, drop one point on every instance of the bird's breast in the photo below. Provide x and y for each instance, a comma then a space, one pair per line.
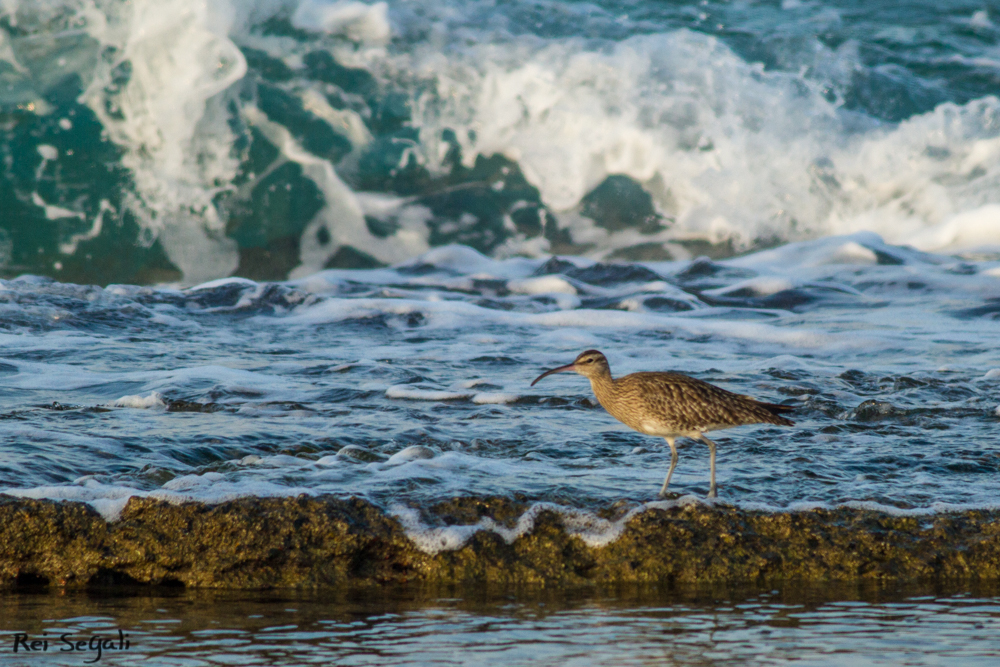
635, 411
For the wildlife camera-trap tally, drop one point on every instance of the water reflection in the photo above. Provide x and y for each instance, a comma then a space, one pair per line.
808, 625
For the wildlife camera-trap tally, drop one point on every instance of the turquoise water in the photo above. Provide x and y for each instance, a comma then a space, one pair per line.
274, 139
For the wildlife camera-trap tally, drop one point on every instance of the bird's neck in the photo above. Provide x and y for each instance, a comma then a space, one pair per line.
603, 386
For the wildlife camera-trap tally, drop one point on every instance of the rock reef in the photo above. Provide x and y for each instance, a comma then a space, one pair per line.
326, 542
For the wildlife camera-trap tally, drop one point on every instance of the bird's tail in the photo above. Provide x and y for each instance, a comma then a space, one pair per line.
776, 412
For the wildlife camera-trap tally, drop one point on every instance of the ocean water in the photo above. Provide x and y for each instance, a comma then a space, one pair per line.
411, 384
314, 246
817, 627
189, 140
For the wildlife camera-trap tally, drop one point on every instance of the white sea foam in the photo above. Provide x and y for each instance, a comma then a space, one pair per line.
494, 398
192, 482
412, 453
858, 248
222, 282
541, 285
968, 229
593, 530
466, 260
757, 286
169, 119
153, 399
109, 499
727, 148
735, 151
454, 314
357, 21
852, 253
596, 532
433, 540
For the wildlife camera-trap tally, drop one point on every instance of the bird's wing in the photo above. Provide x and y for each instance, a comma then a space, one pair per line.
691, 404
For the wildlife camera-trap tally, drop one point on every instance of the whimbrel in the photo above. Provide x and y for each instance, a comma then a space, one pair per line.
671, 405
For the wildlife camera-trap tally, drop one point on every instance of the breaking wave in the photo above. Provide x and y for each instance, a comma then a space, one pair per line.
188, 140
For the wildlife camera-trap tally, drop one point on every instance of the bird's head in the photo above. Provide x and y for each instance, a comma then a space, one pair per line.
588, 364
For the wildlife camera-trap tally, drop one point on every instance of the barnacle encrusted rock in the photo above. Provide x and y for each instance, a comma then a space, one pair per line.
327, 542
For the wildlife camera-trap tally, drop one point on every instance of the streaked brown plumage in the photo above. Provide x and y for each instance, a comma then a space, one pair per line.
671, 405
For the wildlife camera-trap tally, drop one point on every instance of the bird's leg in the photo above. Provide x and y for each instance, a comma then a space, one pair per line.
711, 464
673, 464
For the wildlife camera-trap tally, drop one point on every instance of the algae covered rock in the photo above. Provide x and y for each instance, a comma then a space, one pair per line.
49, 542
331, 543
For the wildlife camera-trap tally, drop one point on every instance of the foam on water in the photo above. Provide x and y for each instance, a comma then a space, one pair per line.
409, 385
357, 21
542, 285
731, 151
593, 530
597, 532
453, 314
153, 399
415, 453
494, 398
398, 128
110, 500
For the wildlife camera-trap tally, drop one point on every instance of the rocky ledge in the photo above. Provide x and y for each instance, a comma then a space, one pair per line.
326, 542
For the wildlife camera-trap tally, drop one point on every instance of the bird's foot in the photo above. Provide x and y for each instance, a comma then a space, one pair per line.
712, 494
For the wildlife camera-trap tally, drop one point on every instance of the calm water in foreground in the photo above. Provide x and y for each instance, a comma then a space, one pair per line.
827, 625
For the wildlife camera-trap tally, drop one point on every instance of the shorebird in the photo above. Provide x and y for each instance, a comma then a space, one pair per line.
671, 405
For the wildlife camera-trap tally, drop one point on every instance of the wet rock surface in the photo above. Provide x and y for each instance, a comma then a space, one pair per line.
328, 543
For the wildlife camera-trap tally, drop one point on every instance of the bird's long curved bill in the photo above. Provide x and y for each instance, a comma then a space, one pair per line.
561, 369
